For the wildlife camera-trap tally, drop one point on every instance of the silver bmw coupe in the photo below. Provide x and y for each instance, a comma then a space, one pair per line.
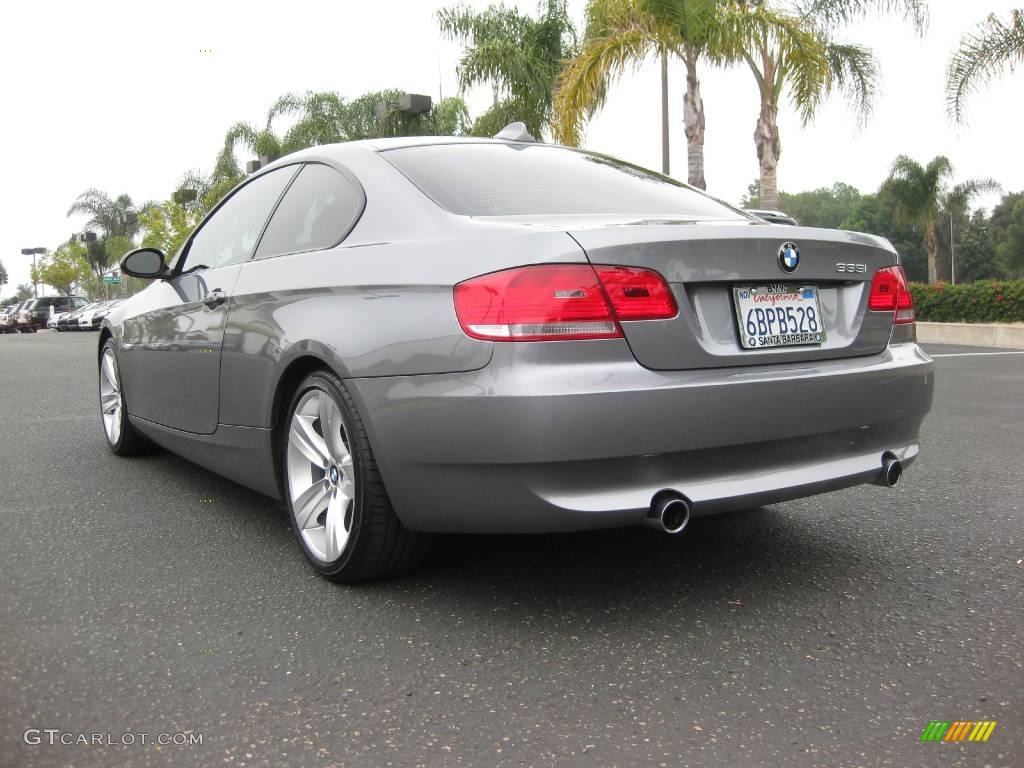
401, 337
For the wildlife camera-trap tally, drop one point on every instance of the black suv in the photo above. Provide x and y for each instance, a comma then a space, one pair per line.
34, 315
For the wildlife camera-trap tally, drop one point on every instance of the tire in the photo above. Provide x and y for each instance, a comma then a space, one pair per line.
336, 499
121, 436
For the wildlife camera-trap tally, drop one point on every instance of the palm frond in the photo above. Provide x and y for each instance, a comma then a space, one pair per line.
965, 191
288, 104
831, 14
855, 71
519, 55
583, 83
993, 48
92, 202
804, 64
226, 165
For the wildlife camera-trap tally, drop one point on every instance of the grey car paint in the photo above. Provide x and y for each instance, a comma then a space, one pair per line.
170, 350
474, 435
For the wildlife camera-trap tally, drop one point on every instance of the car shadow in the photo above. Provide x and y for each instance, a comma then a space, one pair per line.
765, 560
755, 559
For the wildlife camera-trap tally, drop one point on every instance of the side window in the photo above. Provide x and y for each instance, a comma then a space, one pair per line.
318, 211
230, 235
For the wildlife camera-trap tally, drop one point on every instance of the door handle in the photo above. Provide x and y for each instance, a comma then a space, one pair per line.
214, 298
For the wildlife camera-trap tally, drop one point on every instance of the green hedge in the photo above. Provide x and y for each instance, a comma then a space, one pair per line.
984, 301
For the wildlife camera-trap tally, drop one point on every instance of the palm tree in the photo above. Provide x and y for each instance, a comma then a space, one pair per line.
623, 33
992, 48
261, 142
922, 194
518, 55
812, 72
321, 119
116, 218
324, 117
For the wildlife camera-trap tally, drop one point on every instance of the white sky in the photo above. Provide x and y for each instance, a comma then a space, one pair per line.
117, 95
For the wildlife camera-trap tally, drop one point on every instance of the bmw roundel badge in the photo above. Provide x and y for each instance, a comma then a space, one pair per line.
789, 257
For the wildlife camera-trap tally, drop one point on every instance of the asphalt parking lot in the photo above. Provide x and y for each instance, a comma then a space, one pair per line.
150, 596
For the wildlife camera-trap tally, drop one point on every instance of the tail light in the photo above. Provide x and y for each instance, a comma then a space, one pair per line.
637, 294
890, 293
560, 302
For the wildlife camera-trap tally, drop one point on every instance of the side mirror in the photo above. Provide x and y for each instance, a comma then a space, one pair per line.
147, 263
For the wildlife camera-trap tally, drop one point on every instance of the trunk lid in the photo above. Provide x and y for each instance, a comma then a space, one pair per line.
703, 261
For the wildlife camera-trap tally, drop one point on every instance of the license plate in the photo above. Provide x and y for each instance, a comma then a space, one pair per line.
778, 315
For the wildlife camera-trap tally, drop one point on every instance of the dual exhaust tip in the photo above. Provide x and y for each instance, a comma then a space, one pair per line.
670, 510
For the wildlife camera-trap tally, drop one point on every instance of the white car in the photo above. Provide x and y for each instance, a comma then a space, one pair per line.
85, 318
91, 320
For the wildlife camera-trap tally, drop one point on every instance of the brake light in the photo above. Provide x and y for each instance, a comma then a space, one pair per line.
560, 302
637, 294
890, 293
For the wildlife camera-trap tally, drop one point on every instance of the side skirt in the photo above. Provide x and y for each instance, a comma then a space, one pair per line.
242, 454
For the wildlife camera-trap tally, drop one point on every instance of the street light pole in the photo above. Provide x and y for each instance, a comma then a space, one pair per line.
33, 252
85, 238
952, 250
664, 112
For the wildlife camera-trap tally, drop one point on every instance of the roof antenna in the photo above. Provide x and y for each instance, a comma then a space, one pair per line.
514, 132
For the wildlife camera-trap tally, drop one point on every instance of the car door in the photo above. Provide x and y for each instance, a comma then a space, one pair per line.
170, 351
319, 209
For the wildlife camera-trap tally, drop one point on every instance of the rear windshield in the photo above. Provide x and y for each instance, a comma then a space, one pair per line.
532, 179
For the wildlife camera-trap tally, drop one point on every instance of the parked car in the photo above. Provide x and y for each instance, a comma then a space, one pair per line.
22, 317
90, 319
83, 319
36, 314
8, 318
417, 335
69, 321
772, 217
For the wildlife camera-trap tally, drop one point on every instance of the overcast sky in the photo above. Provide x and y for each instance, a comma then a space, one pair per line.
123, 96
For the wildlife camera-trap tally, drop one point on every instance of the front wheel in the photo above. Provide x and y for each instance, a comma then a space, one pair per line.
121, 436
339, 507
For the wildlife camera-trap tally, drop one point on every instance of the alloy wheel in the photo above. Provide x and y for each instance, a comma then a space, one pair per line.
321, 476
111, 401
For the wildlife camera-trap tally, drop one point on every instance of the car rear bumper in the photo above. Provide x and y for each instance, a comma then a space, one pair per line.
575, 435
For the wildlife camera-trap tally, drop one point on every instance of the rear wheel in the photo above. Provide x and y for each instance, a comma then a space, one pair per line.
338, 504
121, 435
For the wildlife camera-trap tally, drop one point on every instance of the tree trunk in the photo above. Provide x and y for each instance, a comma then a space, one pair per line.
766, 138
693, 123
664, 112
943, 263
931, 248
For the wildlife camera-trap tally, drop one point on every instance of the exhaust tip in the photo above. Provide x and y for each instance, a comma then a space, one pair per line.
892, 471
670, 512
674, 516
